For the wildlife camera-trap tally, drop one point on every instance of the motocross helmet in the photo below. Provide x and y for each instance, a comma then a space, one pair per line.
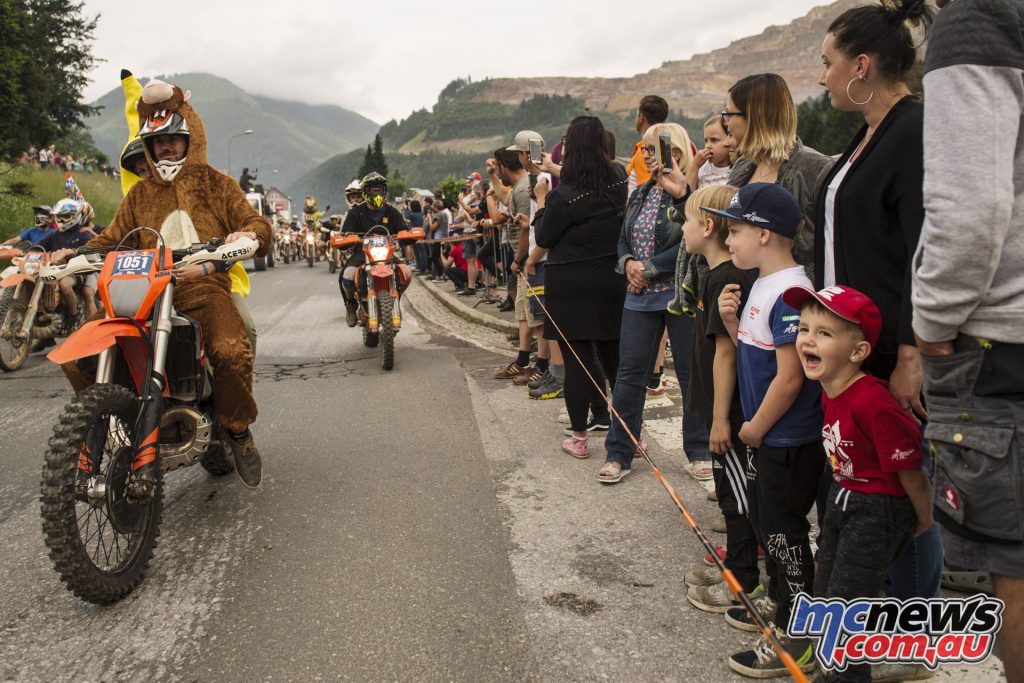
68, 214
370, 181
165, 122
42, 216
131, 155
353, 193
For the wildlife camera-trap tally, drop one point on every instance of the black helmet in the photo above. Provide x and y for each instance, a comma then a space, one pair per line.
370, 179
131, 154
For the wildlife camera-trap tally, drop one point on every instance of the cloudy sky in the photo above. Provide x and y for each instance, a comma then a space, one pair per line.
387, 59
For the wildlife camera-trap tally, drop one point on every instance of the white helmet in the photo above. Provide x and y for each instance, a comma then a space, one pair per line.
69, 214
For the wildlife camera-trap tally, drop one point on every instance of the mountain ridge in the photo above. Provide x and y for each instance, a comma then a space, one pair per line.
292, 137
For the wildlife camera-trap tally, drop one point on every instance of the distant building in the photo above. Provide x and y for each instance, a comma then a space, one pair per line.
278, 202
419, 194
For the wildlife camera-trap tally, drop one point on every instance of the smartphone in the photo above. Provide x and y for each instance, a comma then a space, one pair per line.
665, 150
533, 181
535, 150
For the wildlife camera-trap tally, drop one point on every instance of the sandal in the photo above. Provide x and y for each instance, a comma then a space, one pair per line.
612, 473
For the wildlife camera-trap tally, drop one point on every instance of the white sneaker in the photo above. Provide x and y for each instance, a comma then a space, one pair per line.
705, 576
889, 673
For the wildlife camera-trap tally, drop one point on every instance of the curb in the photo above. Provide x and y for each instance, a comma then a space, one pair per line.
467, 312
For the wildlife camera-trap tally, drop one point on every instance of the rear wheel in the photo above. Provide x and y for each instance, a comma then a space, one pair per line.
387, 330
260, 262
271, 259
100, 543
332, 264
13, 347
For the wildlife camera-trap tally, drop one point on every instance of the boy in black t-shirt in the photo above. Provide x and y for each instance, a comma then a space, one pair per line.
713, 397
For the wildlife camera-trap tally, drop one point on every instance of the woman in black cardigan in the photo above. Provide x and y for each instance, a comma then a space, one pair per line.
578, 223
870, 209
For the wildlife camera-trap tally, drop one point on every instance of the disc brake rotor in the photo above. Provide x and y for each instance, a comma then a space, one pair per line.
125, 517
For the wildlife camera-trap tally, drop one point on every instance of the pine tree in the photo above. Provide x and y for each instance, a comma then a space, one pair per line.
380, 164
367, 165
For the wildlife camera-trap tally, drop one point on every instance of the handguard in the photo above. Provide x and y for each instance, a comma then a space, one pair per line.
78, 265
239, 250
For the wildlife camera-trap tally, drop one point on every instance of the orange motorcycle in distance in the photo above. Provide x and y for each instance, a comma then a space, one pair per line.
379, 286
30, 308
150, 410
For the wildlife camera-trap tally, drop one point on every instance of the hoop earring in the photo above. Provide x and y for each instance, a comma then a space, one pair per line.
850, 97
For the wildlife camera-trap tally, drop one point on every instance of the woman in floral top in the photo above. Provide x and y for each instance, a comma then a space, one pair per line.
648, 246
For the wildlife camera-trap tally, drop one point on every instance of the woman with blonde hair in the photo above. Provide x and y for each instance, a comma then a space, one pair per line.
648, 246
761, 118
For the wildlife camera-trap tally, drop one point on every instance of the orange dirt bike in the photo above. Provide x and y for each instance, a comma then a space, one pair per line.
379, 286
30, 309
151, 410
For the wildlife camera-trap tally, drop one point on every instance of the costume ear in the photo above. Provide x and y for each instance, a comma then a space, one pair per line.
186, 96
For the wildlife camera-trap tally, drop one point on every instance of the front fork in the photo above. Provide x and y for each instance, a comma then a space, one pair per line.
372, 309
30, 310
146, 440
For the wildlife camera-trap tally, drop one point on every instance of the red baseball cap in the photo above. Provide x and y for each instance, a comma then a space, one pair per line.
845, 302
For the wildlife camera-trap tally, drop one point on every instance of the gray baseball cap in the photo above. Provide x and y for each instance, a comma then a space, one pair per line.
522, 143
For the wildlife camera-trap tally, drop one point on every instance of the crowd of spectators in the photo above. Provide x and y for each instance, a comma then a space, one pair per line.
789, 285
51, 157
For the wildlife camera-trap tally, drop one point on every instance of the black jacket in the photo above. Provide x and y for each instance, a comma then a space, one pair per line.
360, 219
579, 226
879, 209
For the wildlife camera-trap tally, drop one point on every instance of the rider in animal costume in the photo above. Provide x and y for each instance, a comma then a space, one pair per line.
189, 201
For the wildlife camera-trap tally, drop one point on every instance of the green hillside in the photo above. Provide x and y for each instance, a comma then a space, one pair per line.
21, 188
291, 137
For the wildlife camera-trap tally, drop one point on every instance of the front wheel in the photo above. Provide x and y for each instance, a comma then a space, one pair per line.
370, 339
260, 262
100, 543
386, 306
13, 347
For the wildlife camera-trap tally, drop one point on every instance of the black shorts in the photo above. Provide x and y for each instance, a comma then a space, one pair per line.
469, 249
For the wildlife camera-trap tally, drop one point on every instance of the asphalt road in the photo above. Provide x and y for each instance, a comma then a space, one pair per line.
420, 524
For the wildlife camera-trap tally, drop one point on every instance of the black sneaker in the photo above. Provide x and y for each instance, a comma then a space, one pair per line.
468, 291
593, 426
508, 305
764, 662
248, 464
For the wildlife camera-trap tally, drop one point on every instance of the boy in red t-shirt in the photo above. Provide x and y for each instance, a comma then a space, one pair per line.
881, 496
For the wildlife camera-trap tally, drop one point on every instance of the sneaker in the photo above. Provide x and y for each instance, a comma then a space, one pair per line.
553, 389
248, 464
593, 427
718, 526
890, 673
509, 371
739, 617
657, 388
576, 447
717, 598
712, 496
530, 373
468, 291
539, 381
563, 418
508, 305
703, 577
764, 662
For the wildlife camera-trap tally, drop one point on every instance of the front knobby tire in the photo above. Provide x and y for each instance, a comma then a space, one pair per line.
100, 546
386, 306
370, 339
12, 352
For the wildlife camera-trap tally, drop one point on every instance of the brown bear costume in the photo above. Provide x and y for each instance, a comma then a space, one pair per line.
199, 204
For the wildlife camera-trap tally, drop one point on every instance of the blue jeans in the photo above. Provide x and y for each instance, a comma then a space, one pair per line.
638, 351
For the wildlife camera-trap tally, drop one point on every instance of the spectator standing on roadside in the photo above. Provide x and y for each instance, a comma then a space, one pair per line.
579, 225
968, 295
761, 117
509, 233
653, 109
438, 230
868, 220
648, 245
512, 173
